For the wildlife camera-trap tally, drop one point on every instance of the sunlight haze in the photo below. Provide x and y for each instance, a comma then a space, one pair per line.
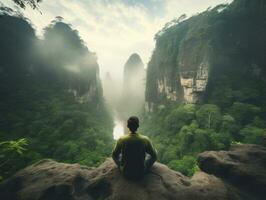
115, 29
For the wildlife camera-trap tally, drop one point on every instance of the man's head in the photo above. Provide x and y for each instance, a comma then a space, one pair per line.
133, 124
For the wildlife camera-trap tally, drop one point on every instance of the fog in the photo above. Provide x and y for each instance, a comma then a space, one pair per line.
125, 98
114, 30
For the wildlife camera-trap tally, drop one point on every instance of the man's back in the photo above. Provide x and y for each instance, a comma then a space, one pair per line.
133, 148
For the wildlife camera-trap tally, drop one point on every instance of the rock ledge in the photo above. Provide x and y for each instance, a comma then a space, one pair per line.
231, 175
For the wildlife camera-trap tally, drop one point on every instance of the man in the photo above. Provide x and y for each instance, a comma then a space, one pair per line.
130, 151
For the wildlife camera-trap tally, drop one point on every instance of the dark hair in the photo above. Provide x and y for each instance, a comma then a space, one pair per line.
133, 123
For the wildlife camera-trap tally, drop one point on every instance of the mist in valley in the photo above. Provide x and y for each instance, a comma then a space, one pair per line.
126, 97
73, 72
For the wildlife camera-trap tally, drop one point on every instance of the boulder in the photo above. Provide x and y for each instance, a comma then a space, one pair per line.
50, 180
244, 166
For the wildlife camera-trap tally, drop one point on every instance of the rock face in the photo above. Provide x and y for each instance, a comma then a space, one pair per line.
132, 99
201, 58
244, 167
240, 168
133, 71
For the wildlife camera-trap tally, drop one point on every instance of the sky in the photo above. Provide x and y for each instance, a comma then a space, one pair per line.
114, 29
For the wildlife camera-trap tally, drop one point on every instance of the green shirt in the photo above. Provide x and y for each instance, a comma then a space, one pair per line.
133, 148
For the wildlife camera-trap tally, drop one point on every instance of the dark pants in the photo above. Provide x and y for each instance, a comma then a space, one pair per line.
145, 170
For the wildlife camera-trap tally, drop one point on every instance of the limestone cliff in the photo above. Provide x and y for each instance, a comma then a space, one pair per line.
50, 88
238, 174
59, 59
77, 67
210, 57
132, 99
133, 72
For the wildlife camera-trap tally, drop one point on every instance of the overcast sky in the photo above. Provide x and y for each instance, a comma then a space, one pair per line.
114, 29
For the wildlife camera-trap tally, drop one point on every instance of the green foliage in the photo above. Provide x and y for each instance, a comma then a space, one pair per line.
232, 107
10, 153
51, 96
189, 129
221, 39
253, 134
209, 116
179, 117
187, 165
228, 123
31, 3
244, 113
46, 87
193, 139
17, 146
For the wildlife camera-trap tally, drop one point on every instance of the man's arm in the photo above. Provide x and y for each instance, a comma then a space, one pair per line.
116, 152
153, 155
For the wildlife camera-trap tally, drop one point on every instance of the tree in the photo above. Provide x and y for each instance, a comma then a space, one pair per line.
253, 134
179, 117
244, 113
42, 96
209, 116
10, 151
187, 165
32, 3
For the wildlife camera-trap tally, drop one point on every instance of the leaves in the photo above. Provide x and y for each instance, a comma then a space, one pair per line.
17, 146
187, 165
10, 152
181, 131
59, 109
32, 3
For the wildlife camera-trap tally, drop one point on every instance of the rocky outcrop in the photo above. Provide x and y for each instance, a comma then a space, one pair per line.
231, 173
244, 166
201, 58
194, 83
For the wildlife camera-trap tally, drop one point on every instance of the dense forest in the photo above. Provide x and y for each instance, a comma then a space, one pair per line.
51, 96
205, 89
206, 83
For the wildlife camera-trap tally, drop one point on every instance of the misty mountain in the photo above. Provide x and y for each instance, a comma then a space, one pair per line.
65, 52
133, 72
51, 94
132, 99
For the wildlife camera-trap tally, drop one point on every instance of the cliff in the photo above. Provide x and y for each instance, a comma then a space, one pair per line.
51, 94
226, 175
132, 100
133, 68
59, 59
213, 57
65, 55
